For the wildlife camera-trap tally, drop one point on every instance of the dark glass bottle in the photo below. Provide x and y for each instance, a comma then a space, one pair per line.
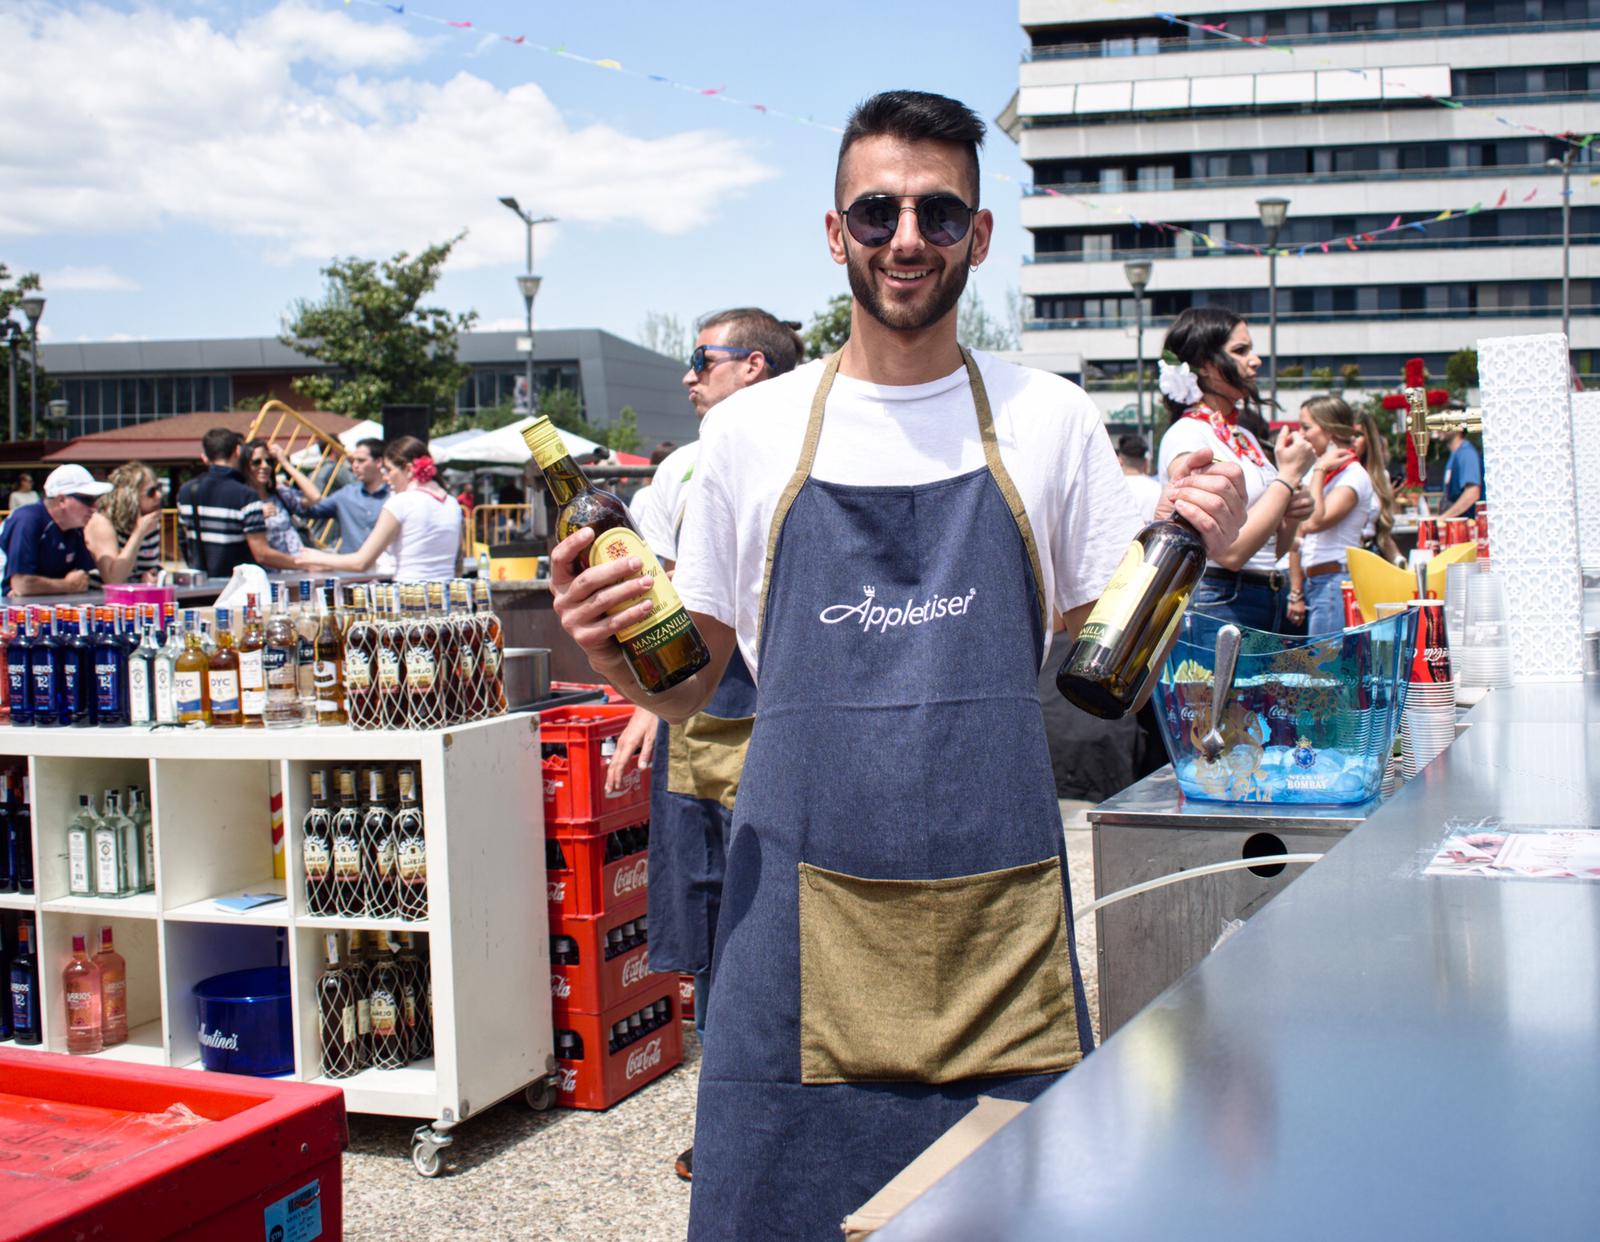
75, 681
348, 890
22, 838
18, 674
663, 649
411, 849
1121, 644
26, 1028
110, 674
8, 845
389, 1042
316, 848
44, 666
379, 874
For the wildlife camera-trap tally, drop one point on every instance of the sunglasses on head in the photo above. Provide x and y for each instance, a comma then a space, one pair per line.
698, 361
942, 218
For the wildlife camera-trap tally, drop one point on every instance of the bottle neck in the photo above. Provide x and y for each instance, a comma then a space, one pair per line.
565, 479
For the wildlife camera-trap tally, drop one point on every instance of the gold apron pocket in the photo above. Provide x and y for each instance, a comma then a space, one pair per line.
934, 980
706, 755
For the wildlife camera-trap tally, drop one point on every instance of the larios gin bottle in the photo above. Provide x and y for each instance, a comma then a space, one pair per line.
1117, 650
663, 649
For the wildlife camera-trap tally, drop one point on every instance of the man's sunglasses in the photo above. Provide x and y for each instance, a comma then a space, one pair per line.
943, 218
698, 361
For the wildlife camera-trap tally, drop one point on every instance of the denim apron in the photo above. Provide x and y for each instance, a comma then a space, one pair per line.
692, 791
896, 933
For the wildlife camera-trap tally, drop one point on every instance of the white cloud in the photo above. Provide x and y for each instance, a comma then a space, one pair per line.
296, 129
100, 279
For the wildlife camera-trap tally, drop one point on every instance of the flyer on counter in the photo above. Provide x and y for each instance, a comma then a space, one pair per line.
1518, 851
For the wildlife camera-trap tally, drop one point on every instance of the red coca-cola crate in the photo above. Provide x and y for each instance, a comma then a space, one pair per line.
613, 695
600, 1077
90, 1149
686, 997
579, 878
574, 741
595, 983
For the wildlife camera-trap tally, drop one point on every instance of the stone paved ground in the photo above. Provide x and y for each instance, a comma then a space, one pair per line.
568, 1176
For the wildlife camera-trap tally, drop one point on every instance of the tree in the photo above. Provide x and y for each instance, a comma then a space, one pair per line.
830, 327
665, 334
10, 295
976, 328
388, 347
1461, 373
623, 435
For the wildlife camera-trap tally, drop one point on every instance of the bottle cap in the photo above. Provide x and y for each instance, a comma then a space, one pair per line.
78, 945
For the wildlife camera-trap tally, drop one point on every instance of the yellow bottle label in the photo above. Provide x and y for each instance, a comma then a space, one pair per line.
545, 443
1121, 597
618, 544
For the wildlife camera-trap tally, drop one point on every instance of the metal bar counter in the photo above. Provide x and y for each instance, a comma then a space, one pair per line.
1374, 1055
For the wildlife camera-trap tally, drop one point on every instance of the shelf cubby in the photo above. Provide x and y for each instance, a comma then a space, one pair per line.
57, 782
138, 941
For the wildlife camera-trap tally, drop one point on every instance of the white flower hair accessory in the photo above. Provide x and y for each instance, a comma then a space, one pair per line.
1176, 381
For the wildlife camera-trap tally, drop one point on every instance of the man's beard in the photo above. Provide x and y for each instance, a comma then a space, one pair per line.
906, 318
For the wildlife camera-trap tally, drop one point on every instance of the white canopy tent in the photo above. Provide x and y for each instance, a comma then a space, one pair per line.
367, 430
504, 446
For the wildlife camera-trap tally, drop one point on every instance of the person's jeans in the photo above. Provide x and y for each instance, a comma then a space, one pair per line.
702, 1001
1229, 597
1324, 604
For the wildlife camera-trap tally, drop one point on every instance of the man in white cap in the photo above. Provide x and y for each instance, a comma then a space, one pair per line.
43, 544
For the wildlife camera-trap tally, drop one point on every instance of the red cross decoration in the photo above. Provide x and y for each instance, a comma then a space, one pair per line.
1416, 399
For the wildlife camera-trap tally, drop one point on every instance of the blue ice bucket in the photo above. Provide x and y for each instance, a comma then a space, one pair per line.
1308, 720
245, 1025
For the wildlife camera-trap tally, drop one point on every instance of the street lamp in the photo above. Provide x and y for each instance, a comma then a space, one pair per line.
11, 334
528, 282
1138, 273
1274, 211
33, 308
1565, 165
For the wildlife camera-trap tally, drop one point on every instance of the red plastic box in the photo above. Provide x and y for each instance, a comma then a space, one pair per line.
686, 996
585, 883
613, 695
84, 1159
575, 776
603, 1077
595, 984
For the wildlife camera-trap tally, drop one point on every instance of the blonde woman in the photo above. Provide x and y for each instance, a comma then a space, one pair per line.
124, 534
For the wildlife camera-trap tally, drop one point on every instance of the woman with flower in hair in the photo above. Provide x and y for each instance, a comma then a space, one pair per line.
420, 523
1207, 372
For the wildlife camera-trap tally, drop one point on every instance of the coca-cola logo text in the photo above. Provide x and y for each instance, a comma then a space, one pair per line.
560, 987
630, 878
569, 1081
635, 968
642, 1059
557, 891
630, 782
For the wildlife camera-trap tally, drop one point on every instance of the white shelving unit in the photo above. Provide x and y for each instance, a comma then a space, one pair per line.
210, 791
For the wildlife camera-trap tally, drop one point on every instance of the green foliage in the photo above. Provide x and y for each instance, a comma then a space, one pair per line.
564, 408
1322, 376
976, 328
1292, 371
388, 347
623, 435
486, 419
1461, 372
830, 327
1350, 373
666, 334
10, 295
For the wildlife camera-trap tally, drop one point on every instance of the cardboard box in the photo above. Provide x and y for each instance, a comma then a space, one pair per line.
937, 1159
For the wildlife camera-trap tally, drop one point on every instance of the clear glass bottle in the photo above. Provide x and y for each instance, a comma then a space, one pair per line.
280, 656
305, 628
144, 826
116, 851
80, 988
348, 889
329, 670
164, 687
336, 1013
380, 876
113, 991
252, 667
142, 680
222, 677
411, 848
191, 694
81, 847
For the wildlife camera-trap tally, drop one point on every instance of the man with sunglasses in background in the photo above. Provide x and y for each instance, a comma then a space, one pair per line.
697, 763
884, 537
43, 544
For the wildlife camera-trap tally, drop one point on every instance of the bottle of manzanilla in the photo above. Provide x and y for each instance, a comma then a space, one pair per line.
1121, 643
663, 649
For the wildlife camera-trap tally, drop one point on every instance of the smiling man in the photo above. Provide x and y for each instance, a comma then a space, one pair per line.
884, 536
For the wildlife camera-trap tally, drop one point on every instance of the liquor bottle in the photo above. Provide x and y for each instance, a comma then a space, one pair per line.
336, 1013
5, 974
379, 872
144, 830
164, 689
80, 986
222, 677
81, 847
19, 677
305, 628
44, 667
469, 651
8, 632
360, 663
386, 1046
493, 650
22, 838
414, 982
74, 671
113, 991
421, 660
111, 693
142, 680
1120, 646
316, 848
8, 847
437, 606
328, 673
412, 849
26, 1027
280, 657
116, 851
663, 649
348, 890
252, 668
356, 967
191, 693
391, 663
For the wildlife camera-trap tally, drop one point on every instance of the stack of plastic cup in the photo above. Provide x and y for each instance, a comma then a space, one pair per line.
1484, 652
1428, 724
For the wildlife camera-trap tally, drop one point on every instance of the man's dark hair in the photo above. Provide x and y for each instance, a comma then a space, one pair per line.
912, 116
661, 452
1132, 447
749, 327
219, 445
373, 445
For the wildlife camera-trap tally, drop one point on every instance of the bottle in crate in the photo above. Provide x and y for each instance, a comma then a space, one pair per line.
380, 876
411, 845
316, 848
336, 1013
387, 1044
349, 897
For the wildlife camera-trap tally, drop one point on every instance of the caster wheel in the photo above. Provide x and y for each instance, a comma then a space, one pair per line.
540, 1095
426, 1146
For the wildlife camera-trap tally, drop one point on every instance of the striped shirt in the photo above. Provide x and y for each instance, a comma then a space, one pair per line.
147, 558
215, 513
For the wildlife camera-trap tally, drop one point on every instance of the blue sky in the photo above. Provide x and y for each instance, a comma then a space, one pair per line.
184, 169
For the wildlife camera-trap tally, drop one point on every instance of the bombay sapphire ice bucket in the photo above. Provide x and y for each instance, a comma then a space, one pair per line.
1304, 720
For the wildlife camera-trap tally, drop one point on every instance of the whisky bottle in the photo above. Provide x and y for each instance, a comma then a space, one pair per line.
329, 671
379, 872
449, 659
336, 1013
316, 849
411, 848
663, 649
349, 896
113, 991
386, 1046
1121, 644
413, 977
360, 664
252, 668
423, 708
492, 649
191, 696
469, 652
223, 677
391, 706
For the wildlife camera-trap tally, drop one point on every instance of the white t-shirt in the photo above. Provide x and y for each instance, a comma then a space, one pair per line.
658, 510
1322, 546
429, 541
1146, 490
1188, 434
1051, 441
